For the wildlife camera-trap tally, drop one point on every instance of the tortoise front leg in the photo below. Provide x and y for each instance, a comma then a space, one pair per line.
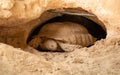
69, 47
35, 42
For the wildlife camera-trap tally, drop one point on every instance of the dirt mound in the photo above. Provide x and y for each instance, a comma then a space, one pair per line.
19, 19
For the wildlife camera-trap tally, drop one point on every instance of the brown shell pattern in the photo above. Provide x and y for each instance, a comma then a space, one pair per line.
66, 33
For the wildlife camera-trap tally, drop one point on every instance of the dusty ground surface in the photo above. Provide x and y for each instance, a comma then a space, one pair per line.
100, 59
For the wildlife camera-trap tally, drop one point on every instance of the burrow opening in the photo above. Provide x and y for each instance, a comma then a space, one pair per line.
94, 27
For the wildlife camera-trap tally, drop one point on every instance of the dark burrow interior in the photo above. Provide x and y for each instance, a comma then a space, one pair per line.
93, 28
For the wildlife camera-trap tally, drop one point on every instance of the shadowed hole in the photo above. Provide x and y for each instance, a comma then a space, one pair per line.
94, 28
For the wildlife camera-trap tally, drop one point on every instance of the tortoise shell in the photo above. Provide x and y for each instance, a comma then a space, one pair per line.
63, 35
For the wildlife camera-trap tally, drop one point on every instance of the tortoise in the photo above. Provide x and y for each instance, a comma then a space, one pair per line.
62, 36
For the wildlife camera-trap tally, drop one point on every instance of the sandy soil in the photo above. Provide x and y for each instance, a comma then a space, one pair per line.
100, 59
18, 18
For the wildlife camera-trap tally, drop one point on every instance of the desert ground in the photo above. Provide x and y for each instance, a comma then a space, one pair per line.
19, 19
